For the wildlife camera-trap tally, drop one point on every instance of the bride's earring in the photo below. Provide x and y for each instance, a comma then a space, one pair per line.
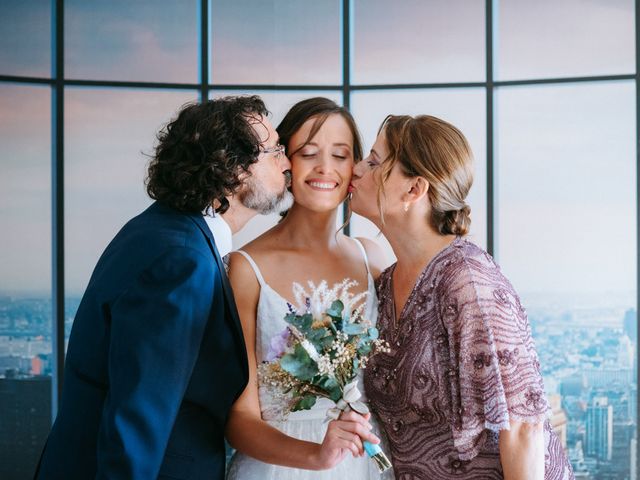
406, 206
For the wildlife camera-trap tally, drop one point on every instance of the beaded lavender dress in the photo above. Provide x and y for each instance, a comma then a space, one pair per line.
462, 365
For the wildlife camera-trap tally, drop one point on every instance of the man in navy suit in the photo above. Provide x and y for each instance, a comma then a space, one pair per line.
156, 356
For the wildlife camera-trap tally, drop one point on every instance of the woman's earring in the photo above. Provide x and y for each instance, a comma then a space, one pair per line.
406, 206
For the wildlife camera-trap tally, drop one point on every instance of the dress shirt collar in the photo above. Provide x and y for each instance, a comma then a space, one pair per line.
221, 232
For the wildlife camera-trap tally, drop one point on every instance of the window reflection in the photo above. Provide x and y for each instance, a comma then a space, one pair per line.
108, 137
25, 43
287, 42
418, 42
25, 277
570, 38
566, 213
137, 41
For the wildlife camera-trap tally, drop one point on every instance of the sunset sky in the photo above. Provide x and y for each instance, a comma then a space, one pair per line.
565, 154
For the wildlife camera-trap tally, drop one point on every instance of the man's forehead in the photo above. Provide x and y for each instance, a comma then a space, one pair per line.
263, 127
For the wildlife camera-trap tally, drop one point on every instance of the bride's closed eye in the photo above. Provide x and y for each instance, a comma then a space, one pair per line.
340, 155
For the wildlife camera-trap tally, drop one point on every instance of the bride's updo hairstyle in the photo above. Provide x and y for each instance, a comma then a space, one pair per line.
428, 147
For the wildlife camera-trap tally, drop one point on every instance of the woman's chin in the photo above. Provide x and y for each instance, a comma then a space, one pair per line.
355, 208
319, 207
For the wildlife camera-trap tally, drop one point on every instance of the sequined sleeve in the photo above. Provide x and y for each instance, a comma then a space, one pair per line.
494, 372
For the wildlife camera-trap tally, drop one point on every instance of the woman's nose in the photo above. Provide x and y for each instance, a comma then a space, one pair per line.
357, 172
323, 164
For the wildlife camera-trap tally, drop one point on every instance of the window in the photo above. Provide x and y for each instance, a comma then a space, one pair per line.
109, 137
544, 91
25, 276
141, 40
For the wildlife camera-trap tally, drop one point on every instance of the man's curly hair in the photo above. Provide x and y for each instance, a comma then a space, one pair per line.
203, 151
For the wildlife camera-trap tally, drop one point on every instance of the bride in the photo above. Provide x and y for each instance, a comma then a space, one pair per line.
323, 144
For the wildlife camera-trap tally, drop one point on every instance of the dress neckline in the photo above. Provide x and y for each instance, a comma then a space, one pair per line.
419, 279
264, 285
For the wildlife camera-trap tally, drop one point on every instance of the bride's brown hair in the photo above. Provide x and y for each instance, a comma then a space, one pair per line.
319, 108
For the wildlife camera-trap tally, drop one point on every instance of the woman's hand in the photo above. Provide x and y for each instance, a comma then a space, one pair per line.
522, 451
343, 436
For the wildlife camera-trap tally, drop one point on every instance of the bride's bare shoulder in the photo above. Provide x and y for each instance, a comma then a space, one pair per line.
266, 250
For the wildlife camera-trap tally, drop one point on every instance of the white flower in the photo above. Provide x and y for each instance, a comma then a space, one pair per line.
310, 349
320, 297
325, 367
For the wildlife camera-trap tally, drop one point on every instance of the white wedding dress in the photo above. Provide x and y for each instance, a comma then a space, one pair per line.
307, 425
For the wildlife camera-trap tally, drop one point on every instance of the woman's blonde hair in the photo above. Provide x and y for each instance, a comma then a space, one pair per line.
428, 147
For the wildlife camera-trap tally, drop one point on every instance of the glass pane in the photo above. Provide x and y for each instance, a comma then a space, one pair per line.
25, 277
276, 42
464, 108
418, 42
571, 38
278, 104
25, 43
108, 137
566, 238
135, 41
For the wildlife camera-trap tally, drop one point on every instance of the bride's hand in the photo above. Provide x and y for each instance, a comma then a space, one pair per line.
343, 436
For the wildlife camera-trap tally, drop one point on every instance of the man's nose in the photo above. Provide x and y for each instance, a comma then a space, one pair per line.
285, 164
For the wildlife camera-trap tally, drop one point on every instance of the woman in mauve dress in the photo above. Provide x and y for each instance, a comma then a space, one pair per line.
460, 394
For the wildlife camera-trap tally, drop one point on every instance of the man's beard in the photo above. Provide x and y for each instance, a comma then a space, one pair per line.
257, 198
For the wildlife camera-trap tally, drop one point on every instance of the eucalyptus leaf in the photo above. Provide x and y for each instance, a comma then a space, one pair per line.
305, 322
299, 364
332, 387
335, 310
326, 342
353, 329
305, 403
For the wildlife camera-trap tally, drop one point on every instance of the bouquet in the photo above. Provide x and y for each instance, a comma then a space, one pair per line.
320, 353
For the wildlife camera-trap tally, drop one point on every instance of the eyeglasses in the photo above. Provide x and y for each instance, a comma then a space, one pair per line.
278, 150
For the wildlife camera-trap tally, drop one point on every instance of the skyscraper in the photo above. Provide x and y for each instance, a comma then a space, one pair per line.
25, 403
634, 461
600, 429
631, 325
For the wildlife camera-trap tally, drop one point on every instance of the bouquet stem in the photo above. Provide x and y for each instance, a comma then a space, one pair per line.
378, 456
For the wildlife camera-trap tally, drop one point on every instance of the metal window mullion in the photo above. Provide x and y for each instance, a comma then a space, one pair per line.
346, 79
204, 50
489, 126
637, 78
57, 208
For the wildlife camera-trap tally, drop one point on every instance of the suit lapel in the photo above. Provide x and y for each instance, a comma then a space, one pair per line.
228, 292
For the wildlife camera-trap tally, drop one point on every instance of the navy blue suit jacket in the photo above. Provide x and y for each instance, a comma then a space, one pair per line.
156, 357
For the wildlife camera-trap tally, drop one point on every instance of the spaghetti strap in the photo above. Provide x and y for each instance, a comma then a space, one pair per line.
254, 266
364, 255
